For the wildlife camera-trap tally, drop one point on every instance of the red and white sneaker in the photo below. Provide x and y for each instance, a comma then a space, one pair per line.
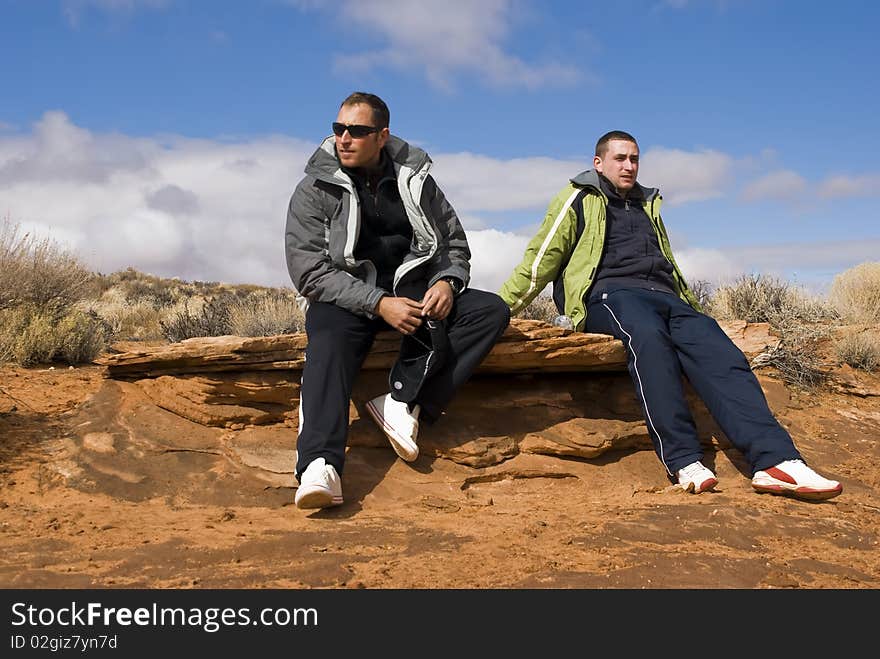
399, 423
795, 479
696, 478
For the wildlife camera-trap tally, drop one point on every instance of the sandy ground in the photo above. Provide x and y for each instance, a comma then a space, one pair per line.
531, 522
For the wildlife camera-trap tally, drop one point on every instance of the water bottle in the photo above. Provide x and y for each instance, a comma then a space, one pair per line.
564, 322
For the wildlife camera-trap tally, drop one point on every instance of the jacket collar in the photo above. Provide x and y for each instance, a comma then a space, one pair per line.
325, 165
590, 179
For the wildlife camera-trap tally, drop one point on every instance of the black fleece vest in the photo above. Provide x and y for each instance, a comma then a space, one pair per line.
631, 257
386, 233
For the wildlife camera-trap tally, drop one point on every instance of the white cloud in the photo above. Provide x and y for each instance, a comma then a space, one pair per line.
442, 41
74, 9
480, 183
780, 185
710, 265
787, 185
59, 150
195, 209
211, 210
835, 255
812, 265
493, 256
685, 176
849, 186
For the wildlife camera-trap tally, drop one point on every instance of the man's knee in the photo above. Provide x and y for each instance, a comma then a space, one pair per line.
328, 326
490, 306
497, 312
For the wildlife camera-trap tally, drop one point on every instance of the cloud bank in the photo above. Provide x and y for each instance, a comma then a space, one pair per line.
215, 210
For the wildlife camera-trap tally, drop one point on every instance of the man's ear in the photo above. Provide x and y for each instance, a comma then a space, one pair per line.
597, 164
383, 137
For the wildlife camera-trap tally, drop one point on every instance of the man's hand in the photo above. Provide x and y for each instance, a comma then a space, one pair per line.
438, 301
401, 313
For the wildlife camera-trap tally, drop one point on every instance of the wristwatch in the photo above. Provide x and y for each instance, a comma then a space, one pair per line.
454, 283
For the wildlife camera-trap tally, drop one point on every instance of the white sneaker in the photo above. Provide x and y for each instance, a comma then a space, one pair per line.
319, 486
795, 479
399, 424
696, 478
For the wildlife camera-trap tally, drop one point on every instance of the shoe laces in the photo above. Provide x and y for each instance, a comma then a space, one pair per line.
692, 470
321, 474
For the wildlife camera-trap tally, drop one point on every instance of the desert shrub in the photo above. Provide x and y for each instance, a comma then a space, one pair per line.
761, 299
541, 308
265, 314
801, 320
31, 335
796, 356
153, 293
137, 321
80, 337
136, 287
27, 335
38, 271
859, 350
192, 319
855, 293
703, 290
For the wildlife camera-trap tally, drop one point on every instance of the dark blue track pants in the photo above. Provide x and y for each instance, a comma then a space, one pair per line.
338, 344
664, 337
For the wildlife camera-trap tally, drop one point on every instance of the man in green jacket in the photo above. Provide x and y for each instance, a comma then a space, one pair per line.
604, 247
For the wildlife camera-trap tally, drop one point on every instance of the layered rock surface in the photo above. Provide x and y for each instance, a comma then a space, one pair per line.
542, 390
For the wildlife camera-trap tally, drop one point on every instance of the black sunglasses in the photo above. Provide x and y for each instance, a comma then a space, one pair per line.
355, 130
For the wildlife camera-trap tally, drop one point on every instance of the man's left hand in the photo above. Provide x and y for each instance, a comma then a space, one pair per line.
438, 301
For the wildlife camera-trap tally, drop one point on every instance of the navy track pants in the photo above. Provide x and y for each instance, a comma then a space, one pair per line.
665, 337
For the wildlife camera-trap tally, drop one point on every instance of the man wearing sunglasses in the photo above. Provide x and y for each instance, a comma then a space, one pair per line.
372, 244
604, 247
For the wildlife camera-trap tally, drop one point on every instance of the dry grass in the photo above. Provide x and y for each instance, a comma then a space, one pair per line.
129, 321
266, 313
860, 350
761, 299
33, 335
38, 271
855, 293
801, 320
40, 284
541, 308
198, 317
142, 307
53, 308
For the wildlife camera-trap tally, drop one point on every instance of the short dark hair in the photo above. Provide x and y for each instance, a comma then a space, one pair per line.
381, 115
602, 144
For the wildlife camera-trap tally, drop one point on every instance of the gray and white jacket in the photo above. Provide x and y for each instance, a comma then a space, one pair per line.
324, 220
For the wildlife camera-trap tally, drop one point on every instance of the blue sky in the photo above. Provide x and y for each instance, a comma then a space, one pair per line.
168, 135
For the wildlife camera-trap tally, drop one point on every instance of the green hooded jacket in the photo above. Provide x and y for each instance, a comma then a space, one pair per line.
562, 250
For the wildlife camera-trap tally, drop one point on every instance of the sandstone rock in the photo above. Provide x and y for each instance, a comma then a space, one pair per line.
527, 345
542, 391
99, 442
848, 380
587, 437
226, 399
